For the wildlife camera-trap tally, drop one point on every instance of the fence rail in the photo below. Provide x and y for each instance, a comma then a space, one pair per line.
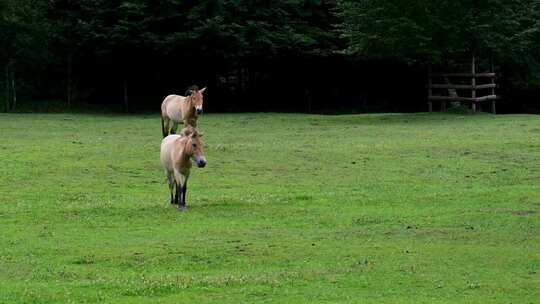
469, 75
473, 87
463, 86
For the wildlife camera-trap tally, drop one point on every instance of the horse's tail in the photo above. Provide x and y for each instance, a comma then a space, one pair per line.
163, 131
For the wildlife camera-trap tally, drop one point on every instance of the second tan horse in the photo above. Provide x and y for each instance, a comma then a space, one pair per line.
186, 109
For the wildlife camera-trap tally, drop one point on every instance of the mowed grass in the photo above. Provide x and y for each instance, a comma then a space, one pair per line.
381, 208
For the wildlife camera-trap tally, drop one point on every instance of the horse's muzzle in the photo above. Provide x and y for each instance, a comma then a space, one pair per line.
199, 111
201, 163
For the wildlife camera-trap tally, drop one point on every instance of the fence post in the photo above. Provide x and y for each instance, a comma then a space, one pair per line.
473, 82
493, 110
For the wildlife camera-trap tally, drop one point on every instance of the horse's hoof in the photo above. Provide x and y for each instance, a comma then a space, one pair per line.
182, 208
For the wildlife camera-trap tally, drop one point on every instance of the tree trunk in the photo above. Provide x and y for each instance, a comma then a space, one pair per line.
126, 101
430, 90
69, 69
13, 91
240, 78
7, 88
307, 96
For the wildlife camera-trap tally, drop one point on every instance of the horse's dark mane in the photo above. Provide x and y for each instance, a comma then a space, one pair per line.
191, 89
190, 130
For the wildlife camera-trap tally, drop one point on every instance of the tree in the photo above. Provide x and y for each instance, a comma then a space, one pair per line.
64, 17
126, 33
24, 41
242, 28
430, 31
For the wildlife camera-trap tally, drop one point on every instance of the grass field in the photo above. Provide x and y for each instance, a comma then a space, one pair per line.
382, 208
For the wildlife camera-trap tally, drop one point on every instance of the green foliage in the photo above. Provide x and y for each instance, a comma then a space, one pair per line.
290, 208
46, 34
460, 109
432, 31
23, 31
24, 45
236, 28
255, 28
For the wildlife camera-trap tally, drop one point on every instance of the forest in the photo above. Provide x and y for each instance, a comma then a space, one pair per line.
261, 55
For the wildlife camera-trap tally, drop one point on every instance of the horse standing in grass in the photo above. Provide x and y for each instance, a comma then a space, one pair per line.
177, 151
176, 109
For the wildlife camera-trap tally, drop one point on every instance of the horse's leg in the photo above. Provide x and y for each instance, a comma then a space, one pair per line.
173, 127
184, 189
190, 122
180, 184
165, 126
170, 178
178, 198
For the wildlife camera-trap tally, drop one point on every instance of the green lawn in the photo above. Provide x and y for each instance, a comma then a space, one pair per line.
382, 208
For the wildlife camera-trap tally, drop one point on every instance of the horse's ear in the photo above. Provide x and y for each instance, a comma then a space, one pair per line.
203, 89
188, 92
200, 134
187, 132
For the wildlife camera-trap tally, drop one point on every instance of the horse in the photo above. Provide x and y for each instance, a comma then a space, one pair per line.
178, 109
177, 152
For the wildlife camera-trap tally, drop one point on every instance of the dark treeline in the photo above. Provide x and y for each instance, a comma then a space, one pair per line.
293, 55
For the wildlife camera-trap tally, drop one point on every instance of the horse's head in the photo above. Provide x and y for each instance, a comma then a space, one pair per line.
196, 98
194, 146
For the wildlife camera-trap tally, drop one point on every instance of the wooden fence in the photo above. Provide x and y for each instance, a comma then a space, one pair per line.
474, 82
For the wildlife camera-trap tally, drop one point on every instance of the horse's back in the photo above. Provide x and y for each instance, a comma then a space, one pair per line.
172, 107
164, 104
167, 148
168, 142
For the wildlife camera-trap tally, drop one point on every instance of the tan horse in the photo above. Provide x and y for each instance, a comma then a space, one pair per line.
177, 152
176, 109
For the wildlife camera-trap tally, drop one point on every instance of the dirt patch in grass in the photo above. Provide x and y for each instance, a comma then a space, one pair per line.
514, 212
